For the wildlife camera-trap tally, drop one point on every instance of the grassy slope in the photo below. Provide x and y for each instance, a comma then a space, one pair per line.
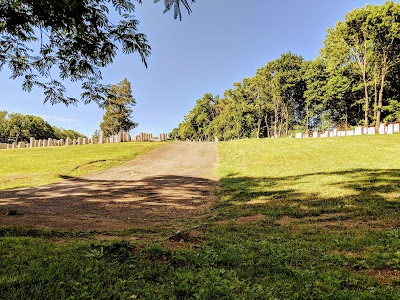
39, 166
297, 219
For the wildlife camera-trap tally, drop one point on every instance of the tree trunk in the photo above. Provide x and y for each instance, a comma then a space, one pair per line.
258, 128
287, 121
381, 90
276, 118
366, 112
266, 125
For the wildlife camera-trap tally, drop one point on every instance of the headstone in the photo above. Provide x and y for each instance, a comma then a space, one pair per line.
358, 130
396, 128
13, 145
45, 143
216, 139
390, 129
84, 141
3, 146
79, 141
299, 135
341, 133
371, 130
101, 138
349, 132
315, 134
32, 142
21, 145
49, 142
62, 142
382, 129
335, 132
74, 142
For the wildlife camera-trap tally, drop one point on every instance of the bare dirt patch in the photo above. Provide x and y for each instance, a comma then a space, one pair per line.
169, 185
250, 219
384, 276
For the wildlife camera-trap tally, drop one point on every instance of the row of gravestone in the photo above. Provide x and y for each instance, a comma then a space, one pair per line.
383, 129
33, 143
146, 137
119, 138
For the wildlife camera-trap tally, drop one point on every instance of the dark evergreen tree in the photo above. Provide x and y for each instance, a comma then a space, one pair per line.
118, 113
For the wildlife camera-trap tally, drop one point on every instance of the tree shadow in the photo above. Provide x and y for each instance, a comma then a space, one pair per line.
333, 198
78, 203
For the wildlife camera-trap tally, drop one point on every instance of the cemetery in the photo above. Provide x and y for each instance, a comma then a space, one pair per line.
122, 137
300, 200
390, 128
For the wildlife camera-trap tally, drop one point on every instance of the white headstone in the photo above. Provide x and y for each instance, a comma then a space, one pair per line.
396, 128
390, 129
32, 142
358, 130
382, 129
371, 130
315, 134
349, 132
299, 135
21, 145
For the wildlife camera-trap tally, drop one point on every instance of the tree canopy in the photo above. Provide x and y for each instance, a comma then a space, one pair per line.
354, 81
48, 41
19, 127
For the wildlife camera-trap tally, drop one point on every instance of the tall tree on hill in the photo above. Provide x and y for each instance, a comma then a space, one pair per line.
368, 39
118, 113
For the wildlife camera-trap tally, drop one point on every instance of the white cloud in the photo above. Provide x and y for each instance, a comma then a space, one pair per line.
57, 119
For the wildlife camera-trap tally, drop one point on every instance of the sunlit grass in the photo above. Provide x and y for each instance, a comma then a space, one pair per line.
39, 166
294, 219
323, 168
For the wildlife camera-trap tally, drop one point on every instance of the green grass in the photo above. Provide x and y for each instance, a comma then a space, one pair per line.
296, 219
39, 166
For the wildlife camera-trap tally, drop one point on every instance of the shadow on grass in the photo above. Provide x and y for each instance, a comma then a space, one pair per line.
79, 203
360, 194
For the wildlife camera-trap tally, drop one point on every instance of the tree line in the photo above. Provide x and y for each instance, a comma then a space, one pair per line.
354, 81
18, 127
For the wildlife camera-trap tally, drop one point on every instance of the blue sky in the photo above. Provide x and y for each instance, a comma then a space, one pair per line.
222, 42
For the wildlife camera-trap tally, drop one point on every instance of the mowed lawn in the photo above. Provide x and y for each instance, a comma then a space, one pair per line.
39, 166
294, 219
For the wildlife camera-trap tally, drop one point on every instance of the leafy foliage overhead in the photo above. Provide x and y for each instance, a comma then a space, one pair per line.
71, 37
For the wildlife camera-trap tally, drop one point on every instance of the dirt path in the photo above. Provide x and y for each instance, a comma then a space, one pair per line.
165, 186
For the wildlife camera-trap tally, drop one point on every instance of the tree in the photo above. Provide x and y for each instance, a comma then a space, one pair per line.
74, 38
3, 125
118, 113
369, 39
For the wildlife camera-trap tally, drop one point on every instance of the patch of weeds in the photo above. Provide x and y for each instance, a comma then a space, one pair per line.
13, 212
45, 233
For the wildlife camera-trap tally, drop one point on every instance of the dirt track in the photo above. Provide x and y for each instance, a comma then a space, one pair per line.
165, 186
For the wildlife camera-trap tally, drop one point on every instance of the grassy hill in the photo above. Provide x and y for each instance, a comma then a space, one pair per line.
39, 166
295, 219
